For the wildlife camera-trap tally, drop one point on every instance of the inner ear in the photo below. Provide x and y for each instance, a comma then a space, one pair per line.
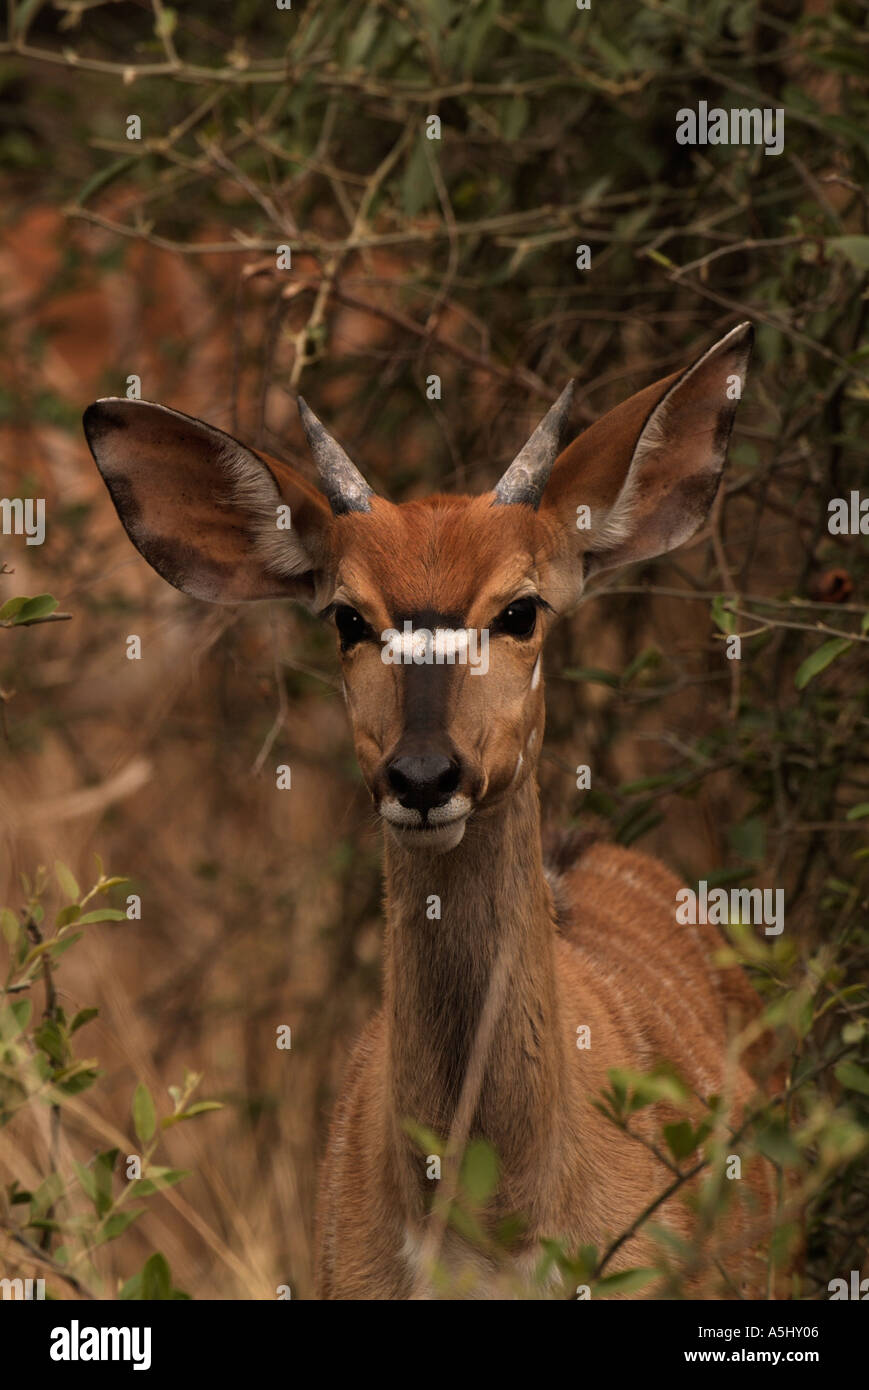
641, 480
213, 517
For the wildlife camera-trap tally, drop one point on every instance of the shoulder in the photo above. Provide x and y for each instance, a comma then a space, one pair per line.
608, 881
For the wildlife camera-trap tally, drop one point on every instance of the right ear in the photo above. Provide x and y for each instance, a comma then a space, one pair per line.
209, 514
645, 475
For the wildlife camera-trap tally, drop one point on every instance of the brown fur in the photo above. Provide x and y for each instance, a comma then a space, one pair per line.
604, 951
647, 989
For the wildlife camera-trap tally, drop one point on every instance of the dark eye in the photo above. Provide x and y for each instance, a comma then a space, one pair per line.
519, 618
351, 626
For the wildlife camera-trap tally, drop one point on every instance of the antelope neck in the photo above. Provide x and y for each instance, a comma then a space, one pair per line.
492, 897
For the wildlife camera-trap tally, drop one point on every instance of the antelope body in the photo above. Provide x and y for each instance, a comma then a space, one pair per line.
484, 994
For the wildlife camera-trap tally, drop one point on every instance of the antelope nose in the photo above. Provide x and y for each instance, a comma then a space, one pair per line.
423, 781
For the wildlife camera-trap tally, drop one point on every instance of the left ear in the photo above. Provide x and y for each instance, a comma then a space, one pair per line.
641, 480
204, 510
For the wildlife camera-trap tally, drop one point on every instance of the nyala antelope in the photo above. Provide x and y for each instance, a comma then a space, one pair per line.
450, 757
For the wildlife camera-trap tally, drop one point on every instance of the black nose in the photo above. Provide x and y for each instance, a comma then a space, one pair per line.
423, 781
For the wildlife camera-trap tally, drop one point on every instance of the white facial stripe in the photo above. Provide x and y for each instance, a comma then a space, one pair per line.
535, 675
420, 646
450, 642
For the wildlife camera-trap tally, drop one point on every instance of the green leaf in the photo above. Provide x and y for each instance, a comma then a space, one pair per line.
648, 1089
559, 14
81, 1018
165, 23
200, 1108
156, 1279
660, 259
854, 248
820, 659
103, 914
21, 1010
57, 947
649, 656
25, 14
10, 927
11, 607
51, 1039
515, 118
858, 812
77, 1078
158, 1178
625, 1281
748, 839
680, 1139
40, 606
648, 784
87, 1180
104, 1165
362, 37
481, 16
466, 1225
842, 60
103, 177
853, 1077
67, 881
14, 1018
425, 1139
613, 58
639, 821
439, 12
417, 185
46, 1195
585, 1262
722, 617
115, 1225
776, 1143
479, 1170
544, 43
144, 1115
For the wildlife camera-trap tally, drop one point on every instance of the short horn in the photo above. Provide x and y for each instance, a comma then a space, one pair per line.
529, 472
340, 479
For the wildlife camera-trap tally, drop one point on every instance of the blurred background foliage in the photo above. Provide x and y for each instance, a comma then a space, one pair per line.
156, 257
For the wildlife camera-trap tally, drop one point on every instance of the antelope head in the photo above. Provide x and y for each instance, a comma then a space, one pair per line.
441, 606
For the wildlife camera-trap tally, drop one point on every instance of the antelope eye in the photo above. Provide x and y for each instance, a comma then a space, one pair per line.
519, 618
351, 626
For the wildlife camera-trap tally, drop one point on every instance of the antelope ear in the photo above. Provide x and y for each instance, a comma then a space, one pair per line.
641, 480
212, 517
